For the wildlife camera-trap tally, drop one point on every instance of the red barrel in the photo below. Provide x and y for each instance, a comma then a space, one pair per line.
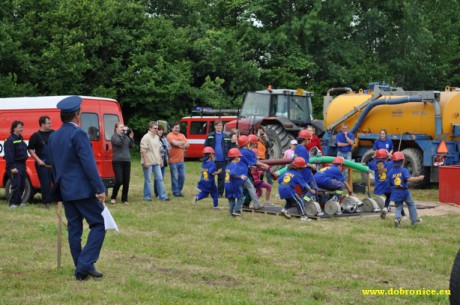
448, 184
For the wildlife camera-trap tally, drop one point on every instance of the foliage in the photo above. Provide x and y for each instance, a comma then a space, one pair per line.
160, 59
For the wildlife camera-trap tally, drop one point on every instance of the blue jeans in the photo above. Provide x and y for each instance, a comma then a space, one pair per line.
158, 179
155, 183
177, 177
346, 156
412, 209
234, 205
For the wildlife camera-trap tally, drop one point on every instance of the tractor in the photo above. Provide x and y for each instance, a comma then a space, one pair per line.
282, 113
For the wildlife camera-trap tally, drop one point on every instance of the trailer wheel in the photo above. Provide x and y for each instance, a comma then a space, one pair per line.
454, 284
414, 163
280, 139
366, 158
27, 190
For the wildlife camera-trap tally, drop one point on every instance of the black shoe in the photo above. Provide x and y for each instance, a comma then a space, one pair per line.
95, 273
81, 277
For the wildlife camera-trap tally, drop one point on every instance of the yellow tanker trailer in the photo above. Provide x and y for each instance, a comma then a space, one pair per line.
424, 125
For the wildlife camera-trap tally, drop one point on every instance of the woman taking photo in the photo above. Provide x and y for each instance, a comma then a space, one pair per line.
122, 141
165, 146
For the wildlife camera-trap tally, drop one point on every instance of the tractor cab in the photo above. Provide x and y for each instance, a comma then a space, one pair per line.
283, 112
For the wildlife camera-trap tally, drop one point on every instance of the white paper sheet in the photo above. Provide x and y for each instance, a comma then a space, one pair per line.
109, 222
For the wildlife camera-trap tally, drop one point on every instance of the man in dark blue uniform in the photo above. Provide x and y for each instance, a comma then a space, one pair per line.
79, 186
39, 150
15, 157
220, 142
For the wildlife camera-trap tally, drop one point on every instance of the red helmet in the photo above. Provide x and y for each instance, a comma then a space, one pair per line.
234, 152
338, 160
208, 150
382, 154
305, 134
256, 152
299, 162
253, 139
398, 156
243, 140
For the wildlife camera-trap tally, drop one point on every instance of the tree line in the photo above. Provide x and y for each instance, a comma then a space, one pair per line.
161, 58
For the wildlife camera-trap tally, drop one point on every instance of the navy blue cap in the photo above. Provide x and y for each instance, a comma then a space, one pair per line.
70, 104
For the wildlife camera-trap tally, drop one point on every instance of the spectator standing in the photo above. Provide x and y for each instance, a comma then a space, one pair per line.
289, 153
122, 140
152, 162
79, 186
234, 138
40, 151
344, 141
263, 145
178, 143
315, 140
383, 143
16, 157
220, 142
164, 150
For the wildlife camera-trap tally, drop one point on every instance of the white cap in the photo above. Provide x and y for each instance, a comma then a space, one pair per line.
294, 142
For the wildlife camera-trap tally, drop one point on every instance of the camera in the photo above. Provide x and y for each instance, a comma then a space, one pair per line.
127, 130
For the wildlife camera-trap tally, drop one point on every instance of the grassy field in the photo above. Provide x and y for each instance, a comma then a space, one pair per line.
176, 253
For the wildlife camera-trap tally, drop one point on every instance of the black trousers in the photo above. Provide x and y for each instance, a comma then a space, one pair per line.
221, 176
18, 181
122, 170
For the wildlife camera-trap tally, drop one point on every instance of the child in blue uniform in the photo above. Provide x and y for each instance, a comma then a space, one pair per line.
287, 185
398, 177
331, 178
234, 179
207, 183
301, 151
381, 167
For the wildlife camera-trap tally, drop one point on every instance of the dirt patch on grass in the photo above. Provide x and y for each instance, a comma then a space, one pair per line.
433, 208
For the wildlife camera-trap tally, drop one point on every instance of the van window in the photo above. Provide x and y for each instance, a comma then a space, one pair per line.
198, 128
109, 125
89, 122
183, 128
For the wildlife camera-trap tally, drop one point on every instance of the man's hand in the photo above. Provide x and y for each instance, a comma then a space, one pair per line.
14, 171
101, 197
146, 165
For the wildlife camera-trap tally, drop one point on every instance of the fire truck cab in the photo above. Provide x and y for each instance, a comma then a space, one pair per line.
196, 129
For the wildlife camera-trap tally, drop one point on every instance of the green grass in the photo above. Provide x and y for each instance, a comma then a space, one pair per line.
176, 253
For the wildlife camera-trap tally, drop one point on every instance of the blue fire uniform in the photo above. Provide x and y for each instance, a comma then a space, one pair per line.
233, 186
207, 183
287, 184
331, 178
301, 151
400, 193
77, 181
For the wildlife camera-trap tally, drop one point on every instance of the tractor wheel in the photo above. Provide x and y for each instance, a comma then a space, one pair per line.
280, 139
366, 158
27, 190
454, 284
414, 163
